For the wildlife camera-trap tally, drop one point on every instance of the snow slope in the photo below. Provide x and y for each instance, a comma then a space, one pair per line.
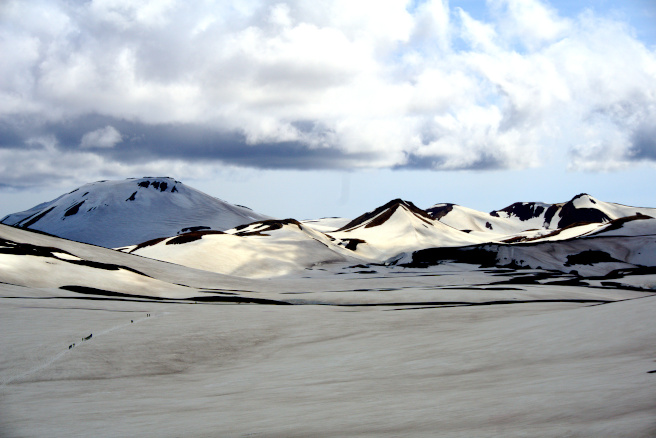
396, 227
479, 223
261, 249
119, 213
626, 243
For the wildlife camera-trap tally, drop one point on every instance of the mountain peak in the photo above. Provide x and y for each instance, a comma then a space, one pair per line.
381, 214
115, 213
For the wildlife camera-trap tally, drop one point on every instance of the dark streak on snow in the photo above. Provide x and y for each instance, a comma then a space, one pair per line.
190, 237
201, 299
74, 209
35, 218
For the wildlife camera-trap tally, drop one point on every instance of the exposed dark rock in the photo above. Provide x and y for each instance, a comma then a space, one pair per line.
569, 214
589, 257
190, 237
74, 209
192, 229
434, 256
521, 210
132, 197
352, 244
439, 211
260, 227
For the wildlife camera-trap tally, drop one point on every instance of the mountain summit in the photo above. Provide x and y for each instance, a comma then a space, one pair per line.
127, 212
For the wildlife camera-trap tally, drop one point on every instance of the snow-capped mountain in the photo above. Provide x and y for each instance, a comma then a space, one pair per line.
581, 208
396, 227
538, 216
120, 213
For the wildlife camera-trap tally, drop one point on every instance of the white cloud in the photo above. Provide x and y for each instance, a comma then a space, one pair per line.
425, 85
106, 137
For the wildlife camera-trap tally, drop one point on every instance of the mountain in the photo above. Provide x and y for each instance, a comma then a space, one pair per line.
627, 244
581, 208
268, 248
533, 216
467, 219
396, 227
127, 212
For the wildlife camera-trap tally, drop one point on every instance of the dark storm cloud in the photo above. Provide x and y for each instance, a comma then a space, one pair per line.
190, 142
644, 143
483, 161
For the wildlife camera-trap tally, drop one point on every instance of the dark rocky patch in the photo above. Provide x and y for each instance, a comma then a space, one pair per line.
521, 210
352, 244
488, 225
589, 257
132, 197
74, 209
35, 219
174, 189
570, 215
148, 243
190, 237
155, 184
267, 225
472, 255
163, 186
438, 212
85, 193
144, 184
243, 206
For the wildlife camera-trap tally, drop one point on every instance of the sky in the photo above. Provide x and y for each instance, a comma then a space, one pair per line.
332, 107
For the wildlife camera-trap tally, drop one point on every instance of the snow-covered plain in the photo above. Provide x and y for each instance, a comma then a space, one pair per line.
452, 350
401, 322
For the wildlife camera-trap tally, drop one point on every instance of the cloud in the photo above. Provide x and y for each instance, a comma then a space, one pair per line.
106, 137
331, 84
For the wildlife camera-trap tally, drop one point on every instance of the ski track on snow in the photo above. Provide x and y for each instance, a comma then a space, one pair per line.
51, 360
